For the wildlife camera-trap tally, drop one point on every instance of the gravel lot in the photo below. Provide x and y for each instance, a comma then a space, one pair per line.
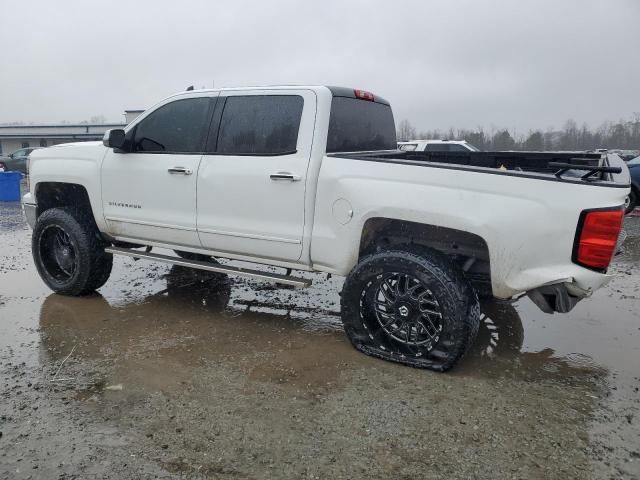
173, 374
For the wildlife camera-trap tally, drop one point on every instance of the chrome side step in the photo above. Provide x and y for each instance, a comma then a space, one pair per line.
212, 267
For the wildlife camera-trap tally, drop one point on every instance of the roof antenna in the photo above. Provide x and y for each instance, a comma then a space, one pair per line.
189, 88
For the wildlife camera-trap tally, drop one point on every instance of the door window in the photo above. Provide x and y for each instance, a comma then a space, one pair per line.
260, 125
177, 127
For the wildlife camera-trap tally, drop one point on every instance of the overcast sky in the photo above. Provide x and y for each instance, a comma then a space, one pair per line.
516, 64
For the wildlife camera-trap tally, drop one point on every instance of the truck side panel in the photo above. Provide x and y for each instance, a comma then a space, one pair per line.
528, 224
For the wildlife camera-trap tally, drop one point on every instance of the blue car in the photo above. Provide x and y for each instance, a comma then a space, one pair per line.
634, 196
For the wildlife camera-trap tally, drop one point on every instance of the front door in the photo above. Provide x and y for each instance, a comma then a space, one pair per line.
149, 192
251, 191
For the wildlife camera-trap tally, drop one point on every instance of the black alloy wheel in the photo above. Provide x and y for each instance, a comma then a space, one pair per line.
68, 251
411, 305
407, 310
59, 255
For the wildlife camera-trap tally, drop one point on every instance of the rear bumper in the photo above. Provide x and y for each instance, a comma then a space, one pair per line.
29, 208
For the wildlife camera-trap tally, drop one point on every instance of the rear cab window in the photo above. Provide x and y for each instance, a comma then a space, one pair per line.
358, 125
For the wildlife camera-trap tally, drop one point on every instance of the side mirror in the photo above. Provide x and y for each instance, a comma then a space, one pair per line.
114, 138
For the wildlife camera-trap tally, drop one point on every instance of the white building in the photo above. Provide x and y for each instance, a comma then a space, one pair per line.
131, 115
14, 137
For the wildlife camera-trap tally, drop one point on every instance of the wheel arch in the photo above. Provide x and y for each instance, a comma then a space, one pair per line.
61, 194
470, 251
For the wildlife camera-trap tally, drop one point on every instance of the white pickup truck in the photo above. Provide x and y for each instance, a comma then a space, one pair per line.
309, 178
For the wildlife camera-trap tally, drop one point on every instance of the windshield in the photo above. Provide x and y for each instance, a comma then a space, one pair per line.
408, 147
635, 161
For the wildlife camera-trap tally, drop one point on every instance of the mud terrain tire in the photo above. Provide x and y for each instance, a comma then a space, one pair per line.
69, 253
430, 322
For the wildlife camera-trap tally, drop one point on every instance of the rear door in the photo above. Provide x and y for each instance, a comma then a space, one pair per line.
149, 192
251, 186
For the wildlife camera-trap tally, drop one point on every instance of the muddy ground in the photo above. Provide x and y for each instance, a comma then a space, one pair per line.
173, 374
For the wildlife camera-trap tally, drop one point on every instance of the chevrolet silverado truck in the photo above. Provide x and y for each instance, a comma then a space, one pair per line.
310, 179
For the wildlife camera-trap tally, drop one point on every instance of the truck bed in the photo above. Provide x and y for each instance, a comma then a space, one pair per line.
544, 165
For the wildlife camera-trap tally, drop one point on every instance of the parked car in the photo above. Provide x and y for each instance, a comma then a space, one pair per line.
17, 161
436, 146
309, 178
626, 155
634, 195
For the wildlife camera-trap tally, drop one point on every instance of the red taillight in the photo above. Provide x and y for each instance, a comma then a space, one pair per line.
597, 237
362, 95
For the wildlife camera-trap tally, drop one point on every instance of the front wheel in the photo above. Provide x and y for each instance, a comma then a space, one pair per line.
69, 253
410, 306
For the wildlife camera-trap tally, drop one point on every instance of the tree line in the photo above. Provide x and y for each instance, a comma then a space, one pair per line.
94, 120
624, 134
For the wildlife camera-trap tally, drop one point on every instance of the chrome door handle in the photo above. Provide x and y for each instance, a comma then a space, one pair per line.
284, 176
180, 171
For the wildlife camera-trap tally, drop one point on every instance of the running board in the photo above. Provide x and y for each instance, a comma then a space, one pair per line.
212, 267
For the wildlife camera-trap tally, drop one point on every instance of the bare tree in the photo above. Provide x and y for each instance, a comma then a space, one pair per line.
535, 141
98, 119
502, 140
624, 135
406, 131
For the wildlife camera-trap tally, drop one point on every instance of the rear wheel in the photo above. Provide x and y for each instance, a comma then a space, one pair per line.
410, 306
69, 253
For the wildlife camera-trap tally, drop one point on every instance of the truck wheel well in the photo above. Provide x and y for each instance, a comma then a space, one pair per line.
57, 194
468, 250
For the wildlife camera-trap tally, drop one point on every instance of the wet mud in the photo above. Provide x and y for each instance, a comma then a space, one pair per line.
172, 373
